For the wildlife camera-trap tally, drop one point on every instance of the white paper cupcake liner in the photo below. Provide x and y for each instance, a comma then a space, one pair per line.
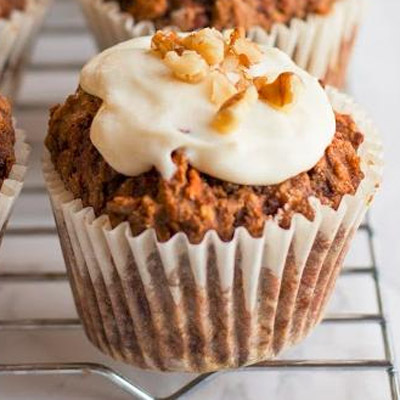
183, 307
17, 33
11, 187
320, 44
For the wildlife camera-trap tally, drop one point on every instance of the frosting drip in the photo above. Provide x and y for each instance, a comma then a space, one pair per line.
147, 114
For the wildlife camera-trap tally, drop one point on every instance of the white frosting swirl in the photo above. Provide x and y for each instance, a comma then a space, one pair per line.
147, 114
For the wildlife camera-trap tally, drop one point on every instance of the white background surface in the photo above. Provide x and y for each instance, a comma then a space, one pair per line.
374, 82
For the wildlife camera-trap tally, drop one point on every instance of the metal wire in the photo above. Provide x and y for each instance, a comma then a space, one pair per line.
79, 369
387, 338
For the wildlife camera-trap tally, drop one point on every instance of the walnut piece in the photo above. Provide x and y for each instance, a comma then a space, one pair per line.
232, 35
189, 67
163, 43
230, 63
282, 93
222, 88
225, 59
234, 110
209, 43
248, 52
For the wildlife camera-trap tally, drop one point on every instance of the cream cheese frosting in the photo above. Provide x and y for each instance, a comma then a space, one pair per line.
147, 114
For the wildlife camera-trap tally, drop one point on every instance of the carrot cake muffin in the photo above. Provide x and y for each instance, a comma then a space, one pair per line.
206, 190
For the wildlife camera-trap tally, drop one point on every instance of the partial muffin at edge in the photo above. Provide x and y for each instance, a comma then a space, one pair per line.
7, 139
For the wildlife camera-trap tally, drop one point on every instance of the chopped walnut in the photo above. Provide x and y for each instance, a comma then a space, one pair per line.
189, 67
163, 43
225, 59
233, 111
222, 88
208, 43
282, 92
248, 52
230, 63
233, 35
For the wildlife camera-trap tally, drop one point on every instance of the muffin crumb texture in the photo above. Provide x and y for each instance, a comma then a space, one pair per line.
189, 15
7, 140
7, 6
192, 202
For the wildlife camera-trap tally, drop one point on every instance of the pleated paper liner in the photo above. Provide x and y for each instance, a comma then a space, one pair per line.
11, 187
17, 33
182, 307
321, 44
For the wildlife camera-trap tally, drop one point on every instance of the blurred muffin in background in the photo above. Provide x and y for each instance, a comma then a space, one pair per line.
20, 21
187, 15
319, 35
7, 6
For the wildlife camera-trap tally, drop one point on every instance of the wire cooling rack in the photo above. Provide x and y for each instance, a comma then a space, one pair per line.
130, 387
385, 364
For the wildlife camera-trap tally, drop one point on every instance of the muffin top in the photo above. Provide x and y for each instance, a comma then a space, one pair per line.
237, 110
193, 135
190, 15
7, 6
7, 140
